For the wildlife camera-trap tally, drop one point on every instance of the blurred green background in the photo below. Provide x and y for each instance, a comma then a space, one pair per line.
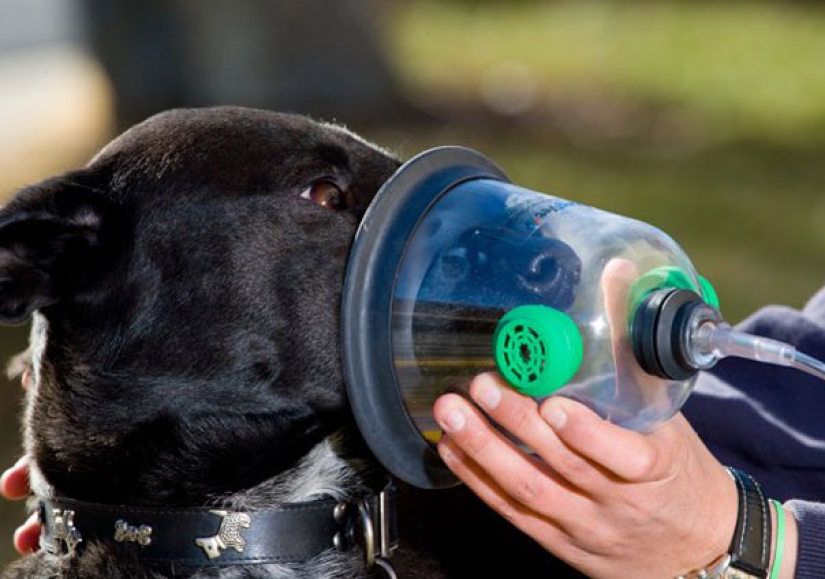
704, 118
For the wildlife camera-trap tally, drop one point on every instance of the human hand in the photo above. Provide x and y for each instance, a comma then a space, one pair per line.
14, 485
609, 501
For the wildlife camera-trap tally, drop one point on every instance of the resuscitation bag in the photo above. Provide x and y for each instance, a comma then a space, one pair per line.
456, 271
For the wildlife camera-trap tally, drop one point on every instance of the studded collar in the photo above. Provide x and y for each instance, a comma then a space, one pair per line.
201, 537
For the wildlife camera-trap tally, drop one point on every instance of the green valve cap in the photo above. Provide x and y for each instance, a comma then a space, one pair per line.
670, 277
537, 349
709, 292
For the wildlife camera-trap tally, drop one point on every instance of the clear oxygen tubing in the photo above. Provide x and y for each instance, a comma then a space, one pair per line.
710, 341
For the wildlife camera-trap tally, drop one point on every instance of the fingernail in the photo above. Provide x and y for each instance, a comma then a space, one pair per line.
453, 421
447, 455
554, 415
487, 394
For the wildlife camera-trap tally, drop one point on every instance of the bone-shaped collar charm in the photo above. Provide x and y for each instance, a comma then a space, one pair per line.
229, 534
65, 532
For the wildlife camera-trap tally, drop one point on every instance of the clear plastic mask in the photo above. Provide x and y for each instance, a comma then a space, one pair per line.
455, 271
486, 248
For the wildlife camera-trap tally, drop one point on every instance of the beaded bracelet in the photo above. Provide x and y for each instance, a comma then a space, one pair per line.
779, 544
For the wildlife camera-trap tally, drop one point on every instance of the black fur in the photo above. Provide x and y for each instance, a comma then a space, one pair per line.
186, 346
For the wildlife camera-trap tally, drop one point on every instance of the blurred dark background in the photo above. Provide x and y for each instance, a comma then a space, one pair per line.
706, 119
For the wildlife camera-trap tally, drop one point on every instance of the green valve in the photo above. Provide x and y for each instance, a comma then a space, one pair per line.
709, 292
537, 349
670, 277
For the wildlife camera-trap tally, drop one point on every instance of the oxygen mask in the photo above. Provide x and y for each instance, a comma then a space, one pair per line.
456, 271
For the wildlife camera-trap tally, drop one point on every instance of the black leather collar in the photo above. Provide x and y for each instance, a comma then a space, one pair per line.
197, 537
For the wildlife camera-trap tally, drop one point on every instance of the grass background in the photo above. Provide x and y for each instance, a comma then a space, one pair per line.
705, 119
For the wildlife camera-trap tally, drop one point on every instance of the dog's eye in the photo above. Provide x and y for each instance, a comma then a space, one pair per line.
327, 194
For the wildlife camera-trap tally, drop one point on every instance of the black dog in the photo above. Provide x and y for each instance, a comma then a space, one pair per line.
185, 288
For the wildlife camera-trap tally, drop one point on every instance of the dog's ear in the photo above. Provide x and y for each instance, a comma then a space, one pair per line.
51, 241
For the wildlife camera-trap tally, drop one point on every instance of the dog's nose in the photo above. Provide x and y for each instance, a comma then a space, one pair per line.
550, 270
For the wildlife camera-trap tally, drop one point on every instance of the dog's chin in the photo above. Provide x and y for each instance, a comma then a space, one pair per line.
322, 474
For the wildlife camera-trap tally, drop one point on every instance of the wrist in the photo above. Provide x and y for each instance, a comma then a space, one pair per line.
715, 526
747, 554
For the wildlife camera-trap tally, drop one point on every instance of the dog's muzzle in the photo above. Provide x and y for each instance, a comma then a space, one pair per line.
203, 537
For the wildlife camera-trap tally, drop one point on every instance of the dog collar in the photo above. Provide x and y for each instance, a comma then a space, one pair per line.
201, 537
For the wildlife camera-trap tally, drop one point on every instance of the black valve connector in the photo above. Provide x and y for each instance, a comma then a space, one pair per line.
660, 332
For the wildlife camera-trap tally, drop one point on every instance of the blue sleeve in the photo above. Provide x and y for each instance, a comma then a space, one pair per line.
810, 555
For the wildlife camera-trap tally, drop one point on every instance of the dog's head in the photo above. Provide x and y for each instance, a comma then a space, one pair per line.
187, 286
